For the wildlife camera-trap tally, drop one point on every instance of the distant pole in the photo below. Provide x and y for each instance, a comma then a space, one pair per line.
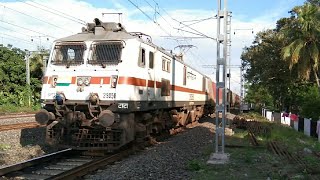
27, 59
241, 88
45, 60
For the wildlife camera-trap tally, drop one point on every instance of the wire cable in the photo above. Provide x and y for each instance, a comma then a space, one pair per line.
158, 12
24, 41
80, 20
34, 18
53, 12
183, 23
27, 29
198, 21
14, 31
149, 17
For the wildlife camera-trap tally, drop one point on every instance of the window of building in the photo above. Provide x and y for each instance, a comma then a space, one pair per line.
151, 60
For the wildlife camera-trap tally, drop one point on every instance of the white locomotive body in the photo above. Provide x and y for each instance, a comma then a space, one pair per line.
105, 87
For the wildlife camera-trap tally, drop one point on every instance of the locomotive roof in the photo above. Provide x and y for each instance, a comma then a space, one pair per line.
102, 31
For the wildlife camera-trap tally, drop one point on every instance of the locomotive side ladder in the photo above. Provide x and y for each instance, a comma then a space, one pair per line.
223, 40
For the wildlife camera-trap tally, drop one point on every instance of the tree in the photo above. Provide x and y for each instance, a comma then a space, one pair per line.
315, 2
13, 76
265, 68
302, 49
259, 95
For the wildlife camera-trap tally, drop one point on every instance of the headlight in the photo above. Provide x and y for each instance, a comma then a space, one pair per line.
84, 80
80, 82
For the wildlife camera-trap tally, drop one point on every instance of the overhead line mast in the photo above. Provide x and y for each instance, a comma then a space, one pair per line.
223, 40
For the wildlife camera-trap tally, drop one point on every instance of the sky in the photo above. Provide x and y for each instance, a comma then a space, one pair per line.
32, 23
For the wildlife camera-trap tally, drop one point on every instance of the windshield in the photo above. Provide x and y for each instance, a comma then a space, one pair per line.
107, 52
68, 54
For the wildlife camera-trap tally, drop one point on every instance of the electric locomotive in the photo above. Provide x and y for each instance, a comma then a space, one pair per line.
105, 87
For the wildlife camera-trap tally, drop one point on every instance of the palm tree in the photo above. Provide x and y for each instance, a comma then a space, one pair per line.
303, 47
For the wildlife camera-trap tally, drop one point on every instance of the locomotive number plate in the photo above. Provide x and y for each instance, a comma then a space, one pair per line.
109, 95
191, 97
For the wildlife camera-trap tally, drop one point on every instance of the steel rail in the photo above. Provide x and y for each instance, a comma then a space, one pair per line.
12, 116
27, 125
84, 169
32, 162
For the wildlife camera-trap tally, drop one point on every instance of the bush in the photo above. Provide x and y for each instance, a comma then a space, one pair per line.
311, 104
311, 109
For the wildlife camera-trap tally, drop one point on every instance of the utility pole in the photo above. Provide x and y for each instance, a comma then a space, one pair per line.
27, 59
241, 89
219, 157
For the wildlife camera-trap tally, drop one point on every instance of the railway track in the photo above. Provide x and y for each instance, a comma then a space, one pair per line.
72, 164
65, 164
12, 116
19, 126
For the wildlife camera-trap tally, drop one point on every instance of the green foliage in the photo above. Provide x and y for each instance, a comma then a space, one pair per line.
258, 95
282, 64
13, 88
310, 103
195, 165
302, 49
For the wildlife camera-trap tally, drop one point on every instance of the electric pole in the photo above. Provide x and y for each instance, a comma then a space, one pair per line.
223, 39
27, 59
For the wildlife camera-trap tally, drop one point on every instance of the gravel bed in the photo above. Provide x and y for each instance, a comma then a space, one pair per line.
16, 120
167, 160
20, 145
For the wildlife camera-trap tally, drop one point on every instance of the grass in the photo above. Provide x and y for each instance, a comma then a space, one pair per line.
250, 162
4, 147
9, 108
195, 165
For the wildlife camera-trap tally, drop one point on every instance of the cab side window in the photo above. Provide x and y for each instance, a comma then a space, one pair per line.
142, 58
151, 60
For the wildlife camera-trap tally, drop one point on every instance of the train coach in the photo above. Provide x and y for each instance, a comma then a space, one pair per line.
105, 87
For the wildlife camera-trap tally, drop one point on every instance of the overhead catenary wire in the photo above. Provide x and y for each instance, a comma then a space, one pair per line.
27, 29
199, 33
182, 22
198, 21
203, 35
149, 17
80, 20
170, 35
14, 31
52, 12
157, 12
15, 38
35, 18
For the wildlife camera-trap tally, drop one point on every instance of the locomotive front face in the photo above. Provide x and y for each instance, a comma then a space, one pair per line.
79, 88
82, 72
